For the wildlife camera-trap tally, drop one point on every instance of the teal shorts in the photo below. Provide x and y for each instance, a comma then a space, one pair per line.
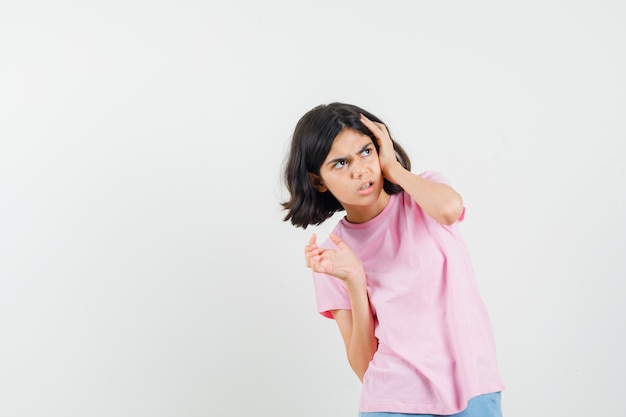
486, 405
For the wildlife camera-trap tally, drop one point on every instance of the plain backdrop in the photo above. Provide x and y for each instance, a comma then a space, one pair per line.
145, 269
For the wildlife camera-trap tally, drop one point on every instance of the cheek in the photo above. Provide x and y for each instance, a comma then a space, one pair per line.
375, 165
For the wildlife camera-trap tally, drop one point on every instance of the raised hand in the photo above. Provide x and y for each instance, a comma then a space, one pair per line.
341, 263
386, 153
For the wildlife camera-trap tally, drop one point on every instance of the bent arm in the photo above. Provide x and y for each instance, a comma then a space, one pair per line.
356, 325
438, 200
357, 329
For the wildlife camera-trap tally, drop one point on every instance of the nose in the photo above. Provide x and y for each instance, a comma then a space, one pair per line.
359, 169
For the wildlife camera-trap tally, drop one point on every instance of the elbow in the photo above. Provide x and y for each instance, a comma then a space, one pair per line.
360, 370
360, 362
451, 212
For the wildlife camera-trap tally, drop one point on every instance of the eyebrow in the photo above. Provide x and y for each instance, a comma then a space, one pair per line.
343, 158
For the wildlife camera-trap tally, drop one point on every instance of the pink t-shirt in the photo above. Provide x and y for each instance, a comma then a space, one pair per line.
436, 347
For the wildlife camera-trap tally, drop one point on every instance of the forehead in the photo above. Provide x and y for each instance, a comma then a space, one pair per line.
347, 142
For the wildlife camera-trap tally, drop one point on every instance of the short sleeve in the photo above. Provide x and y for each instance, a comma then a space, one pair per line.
437, 177
331, 294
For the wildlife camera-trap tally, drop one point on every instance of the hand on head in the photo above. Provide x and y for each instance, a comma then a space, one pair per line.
386, 152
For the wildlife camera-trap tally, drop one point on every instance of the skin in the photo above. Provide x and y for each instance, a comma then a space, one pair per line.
353, 172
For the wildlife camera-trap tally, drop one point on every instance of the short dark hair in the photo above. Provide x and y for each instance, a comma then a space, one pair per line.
310, 144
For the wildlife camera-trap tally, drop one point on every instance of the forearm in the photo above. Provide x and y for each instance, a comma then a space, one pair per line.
362, 343
440, 201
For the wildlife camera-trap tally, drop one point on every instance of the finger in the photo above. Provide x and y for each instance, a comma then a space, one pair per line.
316, 264
383, 128
373, 126
337, 240
379, 130
311, 245
312, 258
369, 124
310, 251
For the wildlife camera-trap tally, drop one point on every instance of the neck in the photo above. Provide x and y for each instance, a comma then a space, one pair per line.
362, 214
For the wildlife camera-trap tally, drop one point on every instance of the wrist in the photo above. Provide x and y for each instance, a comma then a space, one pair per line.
395, 173
356, 281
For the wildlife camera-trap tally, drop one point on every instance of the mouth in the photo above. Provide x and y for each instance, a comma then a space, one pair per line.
366, 185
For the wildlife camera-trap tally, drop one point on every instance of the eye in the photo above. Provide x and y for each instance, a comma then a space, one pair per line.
367, 151
340, 163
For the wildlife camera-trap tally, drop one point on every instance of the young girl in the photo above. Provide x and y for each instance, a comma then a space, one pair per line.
395, 273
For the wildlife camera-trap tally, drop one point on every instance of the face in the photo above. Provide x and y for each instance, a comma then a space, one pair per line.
351, 172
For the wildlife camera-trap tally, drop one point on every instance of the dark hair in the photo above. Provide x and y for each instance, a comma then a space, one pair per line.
311, 141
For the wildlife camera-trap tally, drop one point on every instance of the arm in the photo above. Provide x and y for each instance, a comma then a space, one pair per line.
439, 201
357, 330
356, 325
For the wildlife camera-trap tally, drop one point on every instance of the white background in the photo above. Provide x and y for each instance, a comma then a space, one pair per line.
145, 269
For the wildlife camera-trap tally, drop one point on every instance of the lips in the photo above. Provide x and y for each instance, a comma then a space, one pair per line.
365, 185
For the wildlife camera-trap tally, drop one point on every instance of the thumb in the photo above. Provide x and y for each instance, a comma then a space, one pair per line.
337, 241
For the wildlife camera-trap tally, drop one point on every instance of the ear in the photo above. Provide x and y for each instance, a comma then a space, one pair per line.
317, 182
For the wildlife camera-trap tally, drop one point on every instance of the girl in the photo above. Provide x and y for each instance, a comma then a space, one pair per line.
395, 273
